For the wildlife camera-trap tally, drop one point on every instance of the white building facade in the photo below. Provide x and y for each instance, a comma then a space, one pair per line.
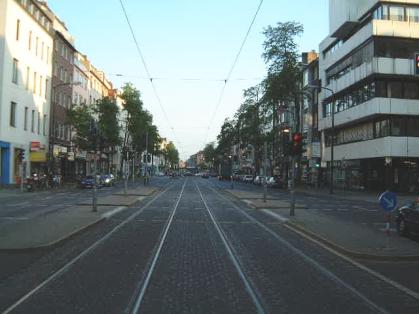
368, 63
26, 44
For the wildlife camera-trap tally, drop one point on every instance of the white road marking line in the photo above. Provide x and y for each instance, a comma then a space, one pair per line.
19, 204
109, 214
80, 256
275, 215
14, 218
365, 209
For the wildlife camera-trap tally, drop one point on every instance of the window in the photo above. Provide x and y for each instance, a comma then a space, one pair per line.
39, 122
25, 121
395, 90
36, 46
411, 90
17, 29
47, 60
413, 127
28, 73
15, 71
40, 85
33, 121
13, 114
30, 41
46, 88
396, 13
44, 125
398, 127
42, 50
34, 82
413, 15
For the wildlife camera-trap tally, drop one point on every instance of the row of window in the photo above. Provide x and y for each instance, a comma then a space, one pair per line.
377, 88
64, 51
394, 12
36, 13
35, 124
376, 47
41, 49
35, 83
405, 126
63, 74
62, 131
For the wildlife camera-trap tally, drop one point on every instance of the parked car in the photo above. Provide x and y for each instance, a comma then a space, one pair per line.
248, 179
88, 182
205, 175
259, 180
275, 182
408, 219
107, 179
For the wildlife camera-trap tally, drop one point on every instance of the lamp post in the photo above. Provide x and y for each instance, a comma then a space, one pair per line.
332, 142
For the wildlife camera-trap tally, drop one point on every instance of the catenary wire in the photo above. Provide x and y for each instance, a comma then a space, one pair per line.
149, 77
236, 59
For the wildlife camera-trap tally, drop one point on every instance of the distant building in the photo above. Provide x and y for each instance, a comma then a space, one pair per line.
368, 62
26, 45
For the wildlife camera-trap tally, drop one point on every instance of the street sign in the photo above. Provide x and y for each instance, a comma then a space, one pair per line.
388, 201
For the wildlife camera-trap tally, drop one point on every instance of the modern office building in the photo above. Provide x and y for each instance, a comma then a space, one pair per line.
372, 107
26, 43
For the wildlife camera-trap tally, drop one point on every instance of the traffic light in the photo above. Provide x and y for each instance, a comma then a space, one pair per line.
297, 144
21, 155
417, 63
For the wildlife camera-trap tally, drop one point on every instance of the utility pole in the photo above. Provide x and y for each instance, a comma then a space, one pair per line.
126, 172
94, 203
265, 162
146, 160
133, 168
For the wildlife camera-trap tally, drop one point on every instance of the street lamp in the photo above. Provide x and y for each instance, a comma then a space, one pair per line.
332, 144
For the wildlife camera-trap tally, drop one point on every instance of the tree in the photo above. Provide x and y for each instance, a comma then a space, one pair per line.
108, 125
81, 119
210, 154
172, 154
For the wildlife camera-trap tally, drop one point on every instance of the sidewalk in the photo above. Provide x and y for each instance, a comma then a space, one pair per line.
367, 196
347, 237
47, 230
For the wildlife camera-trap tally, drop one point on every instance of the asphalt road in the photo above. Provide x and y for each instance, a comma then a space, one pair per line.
192, 249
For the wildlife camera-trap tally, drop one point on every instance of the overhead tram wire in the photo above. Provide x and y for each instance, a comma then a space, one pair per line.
220, 98
149, 77
183, 78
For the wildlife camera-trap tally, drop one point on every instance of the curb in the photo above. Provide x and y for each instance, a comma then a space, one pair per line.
108, 204
349, 253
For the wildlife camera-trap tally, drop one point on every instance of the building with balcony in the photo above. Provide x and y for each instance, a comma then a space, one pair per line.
26, 44
368, 63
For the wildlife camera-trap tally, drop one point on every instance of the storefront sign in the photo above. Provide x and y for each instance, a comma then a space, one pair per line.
38, 156
35, 146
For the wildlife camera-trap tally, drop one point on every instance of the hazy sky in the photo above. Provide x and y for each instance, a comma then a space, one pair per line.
181, 40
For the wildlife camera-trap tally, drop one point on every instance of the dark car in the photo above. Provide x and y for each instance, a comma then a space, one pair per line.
107, 180
205, 175
88, 182
408, 219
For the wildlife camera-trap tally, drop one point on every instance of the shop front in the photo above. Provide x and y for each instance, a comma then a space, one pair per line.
5, 163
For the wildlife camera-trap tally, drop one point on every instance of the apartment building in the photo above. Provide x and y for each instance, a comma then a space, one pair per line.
26, 44
368, 62
310, 161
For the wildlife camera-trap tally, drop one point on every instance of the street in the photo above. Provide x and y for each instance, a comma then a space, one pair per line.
192, 249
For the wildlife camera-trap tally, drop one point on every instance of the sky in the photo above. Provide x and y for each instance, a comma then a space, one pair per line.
183, 40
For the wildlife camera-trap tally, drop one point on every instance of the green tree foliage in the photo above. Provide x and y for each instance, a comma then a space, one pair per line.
209, 152
81, 119
108, 123
172, 154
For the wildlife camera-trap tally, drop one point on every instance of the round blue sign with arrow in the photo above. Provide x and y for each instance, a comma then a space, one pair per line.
388, 201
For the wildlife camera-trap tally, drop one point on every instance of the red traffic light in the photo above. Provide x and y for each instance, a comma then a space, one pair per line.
297, 137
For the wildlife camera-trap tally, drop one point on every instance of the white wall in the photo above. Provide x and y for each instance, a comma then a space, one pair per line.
18, 93
382, 147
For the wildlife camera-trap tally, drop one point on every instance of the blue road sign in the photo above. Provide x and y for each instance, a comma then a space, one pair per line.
388, 201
